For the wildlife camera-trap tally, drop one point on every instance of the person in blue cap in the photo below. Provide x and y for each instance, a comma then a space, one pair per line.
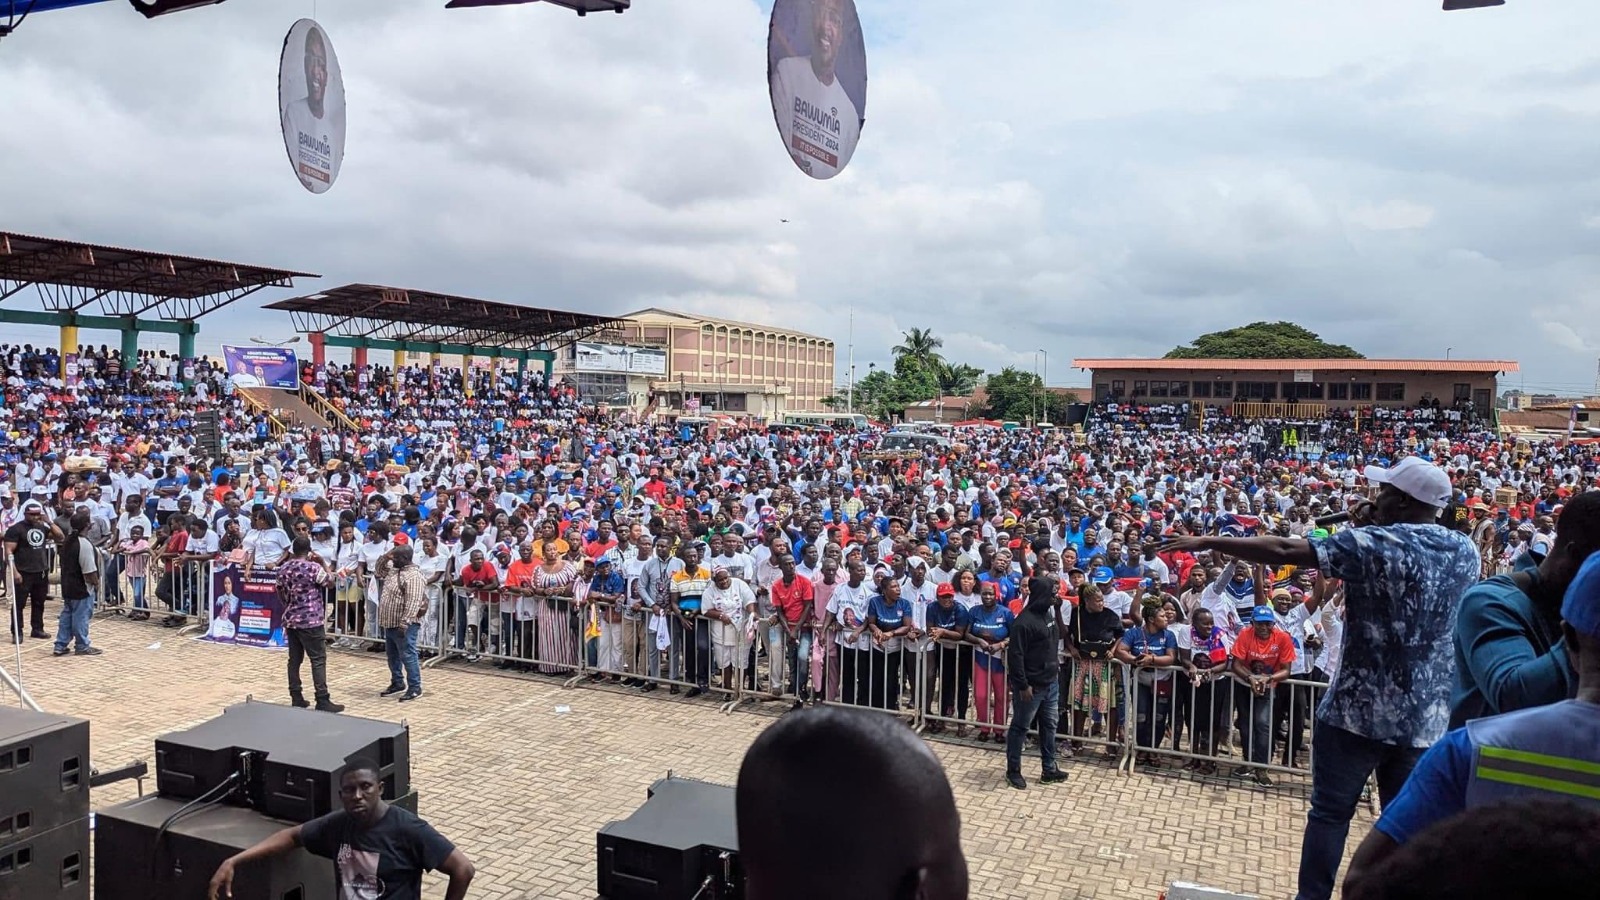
1548, 752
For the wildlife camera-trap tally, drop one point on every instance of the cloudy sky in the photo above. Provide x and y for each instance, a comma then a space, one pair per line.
1091, 178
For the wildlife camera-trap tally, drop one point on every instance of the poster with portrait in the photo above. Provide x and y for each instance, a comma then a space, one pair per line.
817, 76
311, 105
245, 611
273, 367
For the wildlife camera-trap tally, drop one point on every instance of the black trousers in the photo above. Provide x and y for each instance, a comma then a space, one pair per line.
955, 680
885, 679
855, 673
32, 587
308, 643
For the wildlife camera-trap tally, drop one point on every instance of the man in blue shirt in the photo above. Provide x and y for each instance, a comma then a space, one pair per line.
1404, 576
1509, 652
1547, 752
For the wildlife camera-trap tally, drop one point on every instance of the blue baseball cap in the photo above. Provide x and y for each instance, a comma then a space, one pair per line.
1102, 575
1581, 605
1264, 614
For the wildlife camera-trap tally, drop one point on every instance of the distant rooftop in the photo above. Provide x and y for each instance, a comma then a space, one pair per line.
1326, 365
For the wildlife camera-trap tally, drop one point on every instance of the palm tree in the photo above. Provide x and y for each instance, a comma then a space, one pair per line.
958, 380
921, 345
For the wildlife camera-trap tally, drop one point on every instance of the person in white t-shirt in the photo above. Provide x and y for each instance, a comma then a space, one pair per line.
819, 122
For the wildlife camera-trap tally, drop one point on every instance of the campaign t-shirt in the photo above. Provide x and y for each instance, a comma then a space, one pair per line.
383, 862
1264, 657
1140, 641
992, 625
30, 540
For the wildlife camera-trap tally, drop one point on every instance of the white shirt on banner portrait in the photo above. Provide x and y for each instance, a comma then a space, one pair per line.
318, 141
819, 123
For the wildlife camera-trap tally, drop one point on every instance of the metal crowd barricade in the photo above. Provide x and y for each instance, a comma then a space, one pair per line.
965, 699
873, 677
1219, 721
354, 614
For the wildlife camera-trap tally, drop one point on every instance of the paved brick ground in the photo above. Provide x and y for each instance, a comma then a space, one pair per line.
522, 785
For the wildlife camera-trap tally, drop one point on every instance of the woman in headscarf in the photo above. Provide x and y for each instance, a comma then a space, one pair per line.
730, 605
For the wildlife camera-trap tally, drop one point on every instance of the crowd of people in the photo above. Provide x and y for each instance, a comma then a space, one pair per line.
982, 589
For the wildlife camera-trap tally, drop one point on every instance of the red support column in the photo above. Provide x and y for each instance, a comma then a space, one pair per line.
358, 356
319, 348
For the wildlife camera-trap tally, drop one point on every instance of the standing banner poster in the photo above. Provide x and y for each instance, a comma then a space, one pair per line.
273, 367
817, 77
311, 105
245, 611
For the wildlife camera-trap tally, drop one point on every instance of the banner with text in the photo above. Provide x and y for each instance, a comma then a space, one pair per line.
273, 367
592, 357
245, 611
817, 78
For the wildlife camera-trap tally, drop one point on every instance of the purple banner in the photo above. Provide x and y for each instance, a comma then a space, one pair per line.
273, 367
245, 611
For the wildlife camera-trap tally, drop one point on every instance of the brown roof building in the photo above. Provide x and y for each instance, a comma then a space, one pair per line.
1337, 383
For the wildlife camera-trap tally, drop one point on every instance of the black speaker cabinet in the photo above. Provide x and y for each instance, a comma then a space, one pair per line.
129, 866
297, 756
682, 835
51, 863
44, 772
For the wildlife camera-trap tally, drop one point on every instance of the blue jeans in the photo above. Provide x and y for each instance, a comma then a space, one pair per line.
74, 623
1046, 704
1255, 729
1340, 763
400, 645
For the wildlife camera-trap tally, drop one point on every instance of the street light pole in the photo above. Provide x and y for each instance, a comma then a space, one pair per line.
1044, 383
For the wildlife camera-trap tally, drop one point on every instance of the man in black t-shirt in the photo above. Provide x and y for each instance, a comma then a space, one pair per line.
379, 851
27, 544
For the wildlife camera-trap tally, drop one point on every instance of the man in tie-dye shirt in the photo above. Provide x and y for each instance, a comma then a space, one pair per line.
1404, 575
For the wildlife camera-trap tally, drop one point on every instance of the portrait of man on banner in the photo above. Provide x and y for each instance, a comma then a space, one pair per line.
311, 97
817, 76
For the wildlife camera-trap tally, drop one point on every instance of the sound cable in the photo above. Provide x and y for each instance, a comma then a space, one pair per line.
199, 804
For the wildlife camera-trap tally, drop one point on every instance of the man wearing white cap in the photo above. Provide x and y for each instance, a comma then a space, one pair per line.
1404, 575
26, 545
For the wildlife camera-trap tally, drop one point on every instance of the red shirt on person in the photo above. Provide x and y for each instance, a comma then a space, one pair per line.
792, 599
1264, 657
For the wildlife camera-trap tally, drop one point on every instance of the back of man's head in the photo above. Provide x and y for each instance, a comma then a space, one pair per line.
871, 788
1539, 848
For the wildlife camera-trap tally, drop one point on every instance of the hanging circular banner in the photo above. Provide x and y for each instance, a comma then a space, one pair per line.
817, 74
311, 104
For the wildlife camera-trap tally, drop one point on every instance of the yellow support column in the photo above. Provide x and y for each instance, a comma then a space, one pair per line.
69, 345
399, 360
494, 370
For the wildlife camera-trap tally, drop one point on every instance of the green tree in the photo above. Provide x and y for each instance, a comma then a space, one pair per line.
958, 380
1263, 340
1015, 396
920, 345
876, 395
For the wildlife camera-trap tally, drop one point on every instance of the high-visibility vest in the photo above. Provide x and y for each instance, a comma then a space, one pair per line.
1548, 751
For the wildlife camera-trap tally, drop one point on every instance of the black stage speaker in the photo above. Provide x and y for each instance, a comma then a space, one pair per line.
1077, 414
47, 863
44, 772
129, 866
682, 844
295, 757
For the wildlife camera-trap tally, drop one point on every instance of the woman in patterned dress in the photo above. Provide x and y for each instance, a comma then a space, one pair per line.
553, 611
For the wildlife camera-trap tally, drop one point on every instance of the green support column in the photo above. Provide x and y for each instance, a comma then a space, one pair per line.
186, 350
130, 345
549, 367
